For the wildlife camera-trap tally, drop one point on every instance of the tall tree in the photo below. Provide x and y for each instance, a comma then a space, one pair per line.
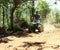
15, 4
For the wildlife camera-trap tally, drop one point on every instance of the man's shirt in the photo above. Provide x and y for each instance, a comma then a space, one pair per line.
37, 16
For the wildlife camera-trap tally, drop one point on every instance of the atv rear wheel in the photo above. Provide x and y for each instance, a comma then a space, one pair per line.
41, 28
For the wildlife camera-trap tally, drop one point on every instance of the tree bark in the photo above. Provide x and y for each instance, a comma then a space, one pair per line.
3, 17
33, 10
11, 17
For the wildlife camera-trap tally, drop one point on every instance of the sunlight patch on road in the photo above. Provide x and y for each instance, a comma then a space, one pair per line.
48, 27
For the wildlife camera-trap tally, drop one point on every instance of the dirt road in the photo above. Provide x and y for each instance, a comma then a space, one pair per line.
47, 40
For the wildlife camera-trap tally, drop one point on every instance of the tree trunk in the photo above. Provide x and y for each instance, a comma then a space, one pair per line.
33, 10
3, 17
7, 16
11, 17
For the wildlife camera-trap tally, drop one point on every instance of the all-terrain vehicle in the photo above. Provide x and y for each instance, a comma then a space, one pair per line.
36, 24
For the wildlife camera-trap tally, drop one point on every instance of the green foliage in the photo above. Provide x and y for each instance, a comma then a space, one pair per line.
43, 7
53, 16
4, 2
22, 9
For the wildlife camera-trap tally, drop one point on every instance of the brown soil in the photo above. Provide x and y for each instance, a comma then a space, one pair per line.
47, 40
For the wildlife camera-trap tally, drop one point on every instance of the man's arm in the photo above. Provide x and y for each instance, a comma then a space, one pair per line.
32, 17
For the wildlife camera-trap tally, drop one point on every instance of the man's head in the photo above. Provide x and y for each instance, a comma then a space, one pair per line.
37, 12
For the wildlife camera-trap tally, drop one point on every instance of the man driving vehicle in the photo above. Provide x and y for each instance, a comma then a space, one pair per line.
36, 19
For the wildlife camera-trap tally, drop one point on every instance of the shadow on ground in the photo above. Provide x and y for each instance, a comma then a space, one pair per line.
16, 33
28, 45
